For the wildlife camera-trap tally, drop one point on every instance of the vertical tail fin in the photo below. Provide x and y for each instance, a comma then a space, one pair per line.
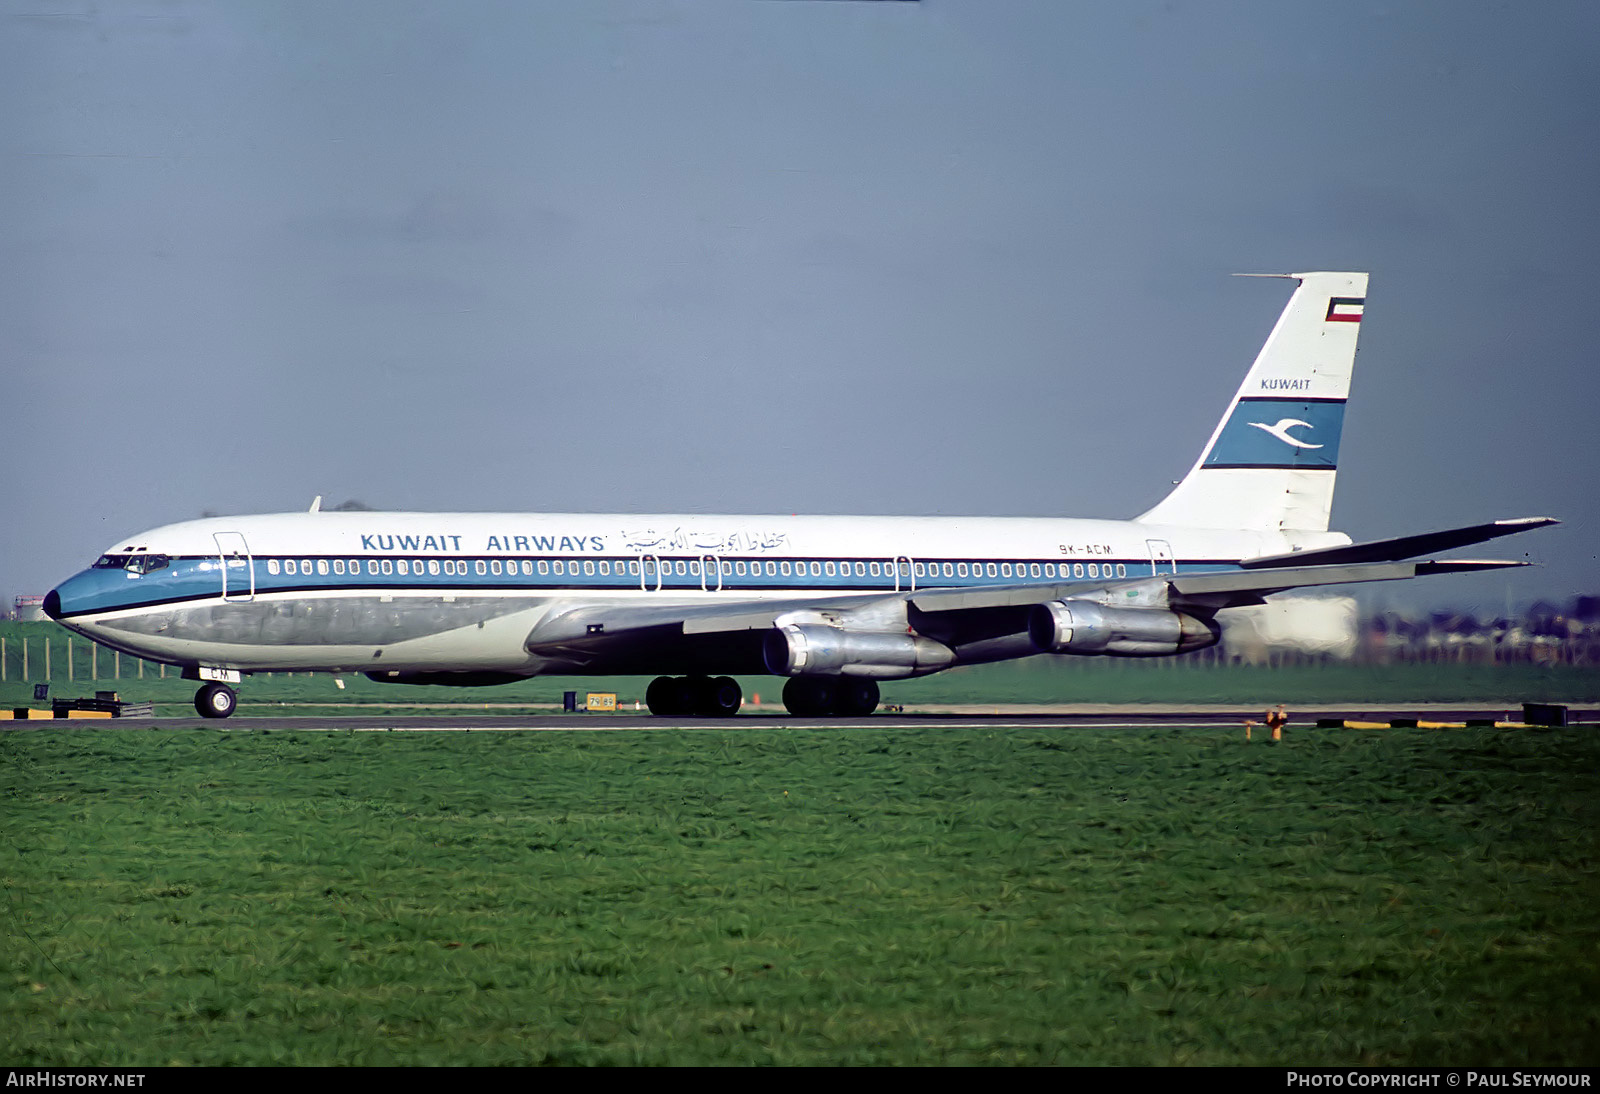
1271, 461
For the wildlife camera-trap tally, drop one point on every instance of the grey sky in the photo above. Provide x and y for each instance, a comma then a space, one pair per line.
956, 257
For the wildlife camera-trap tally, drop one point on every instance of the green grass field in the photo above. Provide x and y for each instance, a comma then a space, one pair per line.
1051, 896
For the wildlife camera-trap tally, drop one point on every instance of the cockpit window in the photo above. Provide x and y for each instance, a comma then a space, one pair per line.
134, 564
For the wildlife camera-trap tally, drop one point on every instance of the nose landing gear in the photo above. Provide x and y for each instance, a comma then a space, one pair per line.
215, 701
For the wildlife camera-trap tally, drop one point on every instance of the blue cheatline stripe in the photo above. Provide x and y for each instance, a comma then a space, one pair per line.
190, 579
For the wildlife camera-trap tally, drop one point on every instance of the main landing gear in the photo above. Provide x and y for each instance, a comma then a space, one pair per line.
803, 696
701, 696
215, 701
820, 696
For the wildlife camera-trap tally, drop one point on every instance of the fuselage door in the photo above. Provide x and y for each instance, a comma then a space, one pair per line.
649, 567
1161, 560
905, 573
237, 568
711, 573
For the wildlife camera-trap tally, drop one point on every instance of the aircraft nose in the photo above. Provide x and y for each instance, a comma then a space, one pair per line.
52, 604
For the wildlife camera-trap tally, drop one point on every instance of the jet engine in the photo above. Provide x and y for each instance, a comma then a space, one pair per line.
1084, 627
820, 650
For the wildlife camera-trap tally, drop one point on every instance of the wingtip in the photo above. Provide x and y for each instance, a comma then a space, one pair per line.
1469, 565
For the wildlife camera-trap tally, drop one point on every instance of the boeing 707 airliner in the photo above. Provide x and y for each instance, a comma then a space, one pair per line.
833, 603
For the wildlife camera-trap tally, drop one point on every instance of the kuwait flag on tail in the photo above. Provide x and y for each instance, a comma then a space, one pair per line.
1346, 309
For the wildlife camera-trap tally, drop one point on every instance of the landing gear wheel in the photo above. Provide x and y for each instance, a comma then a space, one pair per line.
719, 698
215, 701
661, 696
685, 694
676, 696
810, 696
856, 697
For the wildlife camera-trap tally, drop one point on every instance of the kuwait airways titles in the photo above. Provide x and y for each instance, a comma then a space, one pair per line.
745, 542
413, 544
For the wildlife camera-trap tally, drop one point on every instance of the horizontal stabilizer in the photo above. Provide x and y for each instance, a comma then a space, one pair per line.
1390, 550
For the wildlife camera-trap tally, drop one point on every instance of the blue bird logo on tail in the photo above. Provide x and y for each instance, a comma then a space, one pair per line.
1280, 430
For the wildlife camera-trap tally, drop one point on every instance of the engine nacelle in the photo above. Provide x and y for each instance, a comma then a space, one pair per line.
820, 650
1084, 627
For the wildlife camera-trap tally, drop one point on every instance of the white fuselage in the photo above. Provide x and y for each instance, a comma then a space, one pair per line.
420, 592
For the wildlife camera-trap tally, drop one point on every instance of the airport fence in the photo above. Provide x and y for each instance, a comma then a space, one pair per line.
38, 656
46, 652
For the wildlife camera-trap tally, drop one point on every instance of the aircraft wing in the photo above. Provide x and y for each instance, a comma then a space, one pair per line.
594, 626
1390, 550
1208, 592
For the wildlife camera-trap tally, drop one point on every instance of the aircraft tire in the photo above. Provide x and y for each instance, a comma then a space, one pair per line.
718, 698
809, 696
661, 696
856, 697
215, 701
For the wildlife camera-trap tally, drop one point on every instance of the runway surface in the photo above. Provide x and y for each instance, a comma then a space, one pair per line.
989, 716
